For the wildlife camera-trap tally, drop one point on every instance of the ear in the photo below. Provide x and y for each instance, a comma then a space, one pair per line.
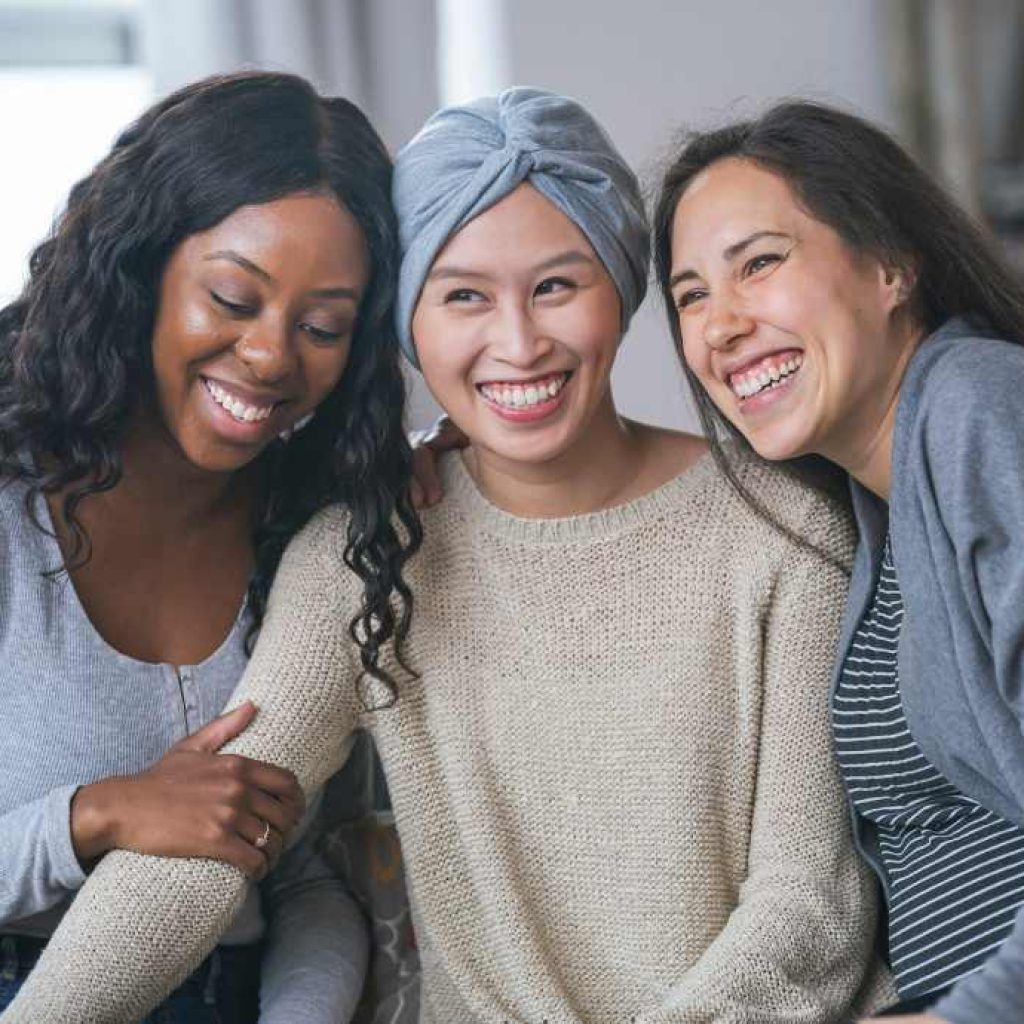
897, 282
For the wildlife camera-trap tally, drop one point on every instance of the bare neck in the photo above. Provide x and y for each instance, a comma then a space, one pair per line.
863, 447
606, 466
172, 496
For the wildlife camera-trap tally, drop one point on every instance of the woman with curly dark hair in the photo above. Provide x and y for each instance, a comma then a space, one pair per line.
202, 358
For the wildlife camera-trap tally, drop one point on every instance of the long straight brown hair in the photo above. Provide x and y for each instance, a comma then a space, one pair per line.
852, 176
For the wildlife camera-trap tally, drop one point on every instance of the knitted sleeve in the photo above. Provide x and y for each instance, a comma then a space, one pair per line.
141, 924
798, 944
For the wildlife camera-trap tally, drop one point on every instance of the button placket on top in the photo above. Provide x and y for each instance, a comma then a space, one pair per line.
191, 702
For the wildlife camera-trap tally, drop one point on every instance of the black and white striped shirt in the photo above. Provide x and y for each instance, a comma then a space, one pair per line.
955, 870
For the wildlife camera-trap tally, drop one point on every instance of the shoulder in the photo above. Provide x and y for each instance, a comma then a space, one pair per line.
964, 375
818, 517
960, 413
671, 451
21, 539
315, 555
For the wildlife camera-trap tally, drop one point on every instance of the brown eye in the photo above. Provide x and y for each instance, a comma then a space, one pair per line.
235, 308
323, 334
463, 295
758, 263
554, 285
690, 297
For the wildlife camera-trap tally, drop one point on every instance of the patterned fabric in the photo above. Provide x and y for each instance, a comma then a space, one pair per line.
367, 854
955, 869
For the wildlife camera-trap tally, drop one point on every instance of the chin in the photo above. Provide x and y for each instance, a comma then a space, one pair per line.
524, 449
777, 448
215, 459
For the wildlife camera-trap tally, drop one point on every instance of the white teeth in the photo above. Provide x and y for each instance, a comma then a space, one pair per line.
520, 397
750, 384
241, 412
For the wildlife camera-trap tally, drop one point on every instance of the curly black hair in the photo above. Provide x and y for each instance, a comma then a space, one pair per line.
75, 347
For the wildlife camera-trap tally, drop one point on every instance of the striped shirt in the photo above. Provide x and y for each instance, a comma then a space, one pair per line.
955, 870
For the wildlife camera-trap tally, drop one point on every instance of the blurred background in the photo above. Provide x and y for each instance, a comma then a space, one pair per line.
944, 75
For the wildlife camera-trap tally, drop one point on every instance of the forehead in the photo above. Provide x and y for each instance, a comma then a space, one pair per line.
302, 231
733, 197
523, 225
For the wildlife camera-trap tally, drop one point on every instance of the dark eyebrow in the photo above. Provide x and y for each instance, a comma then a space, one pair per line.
569, 256
335, 293
730, 253
239, 260
559, 260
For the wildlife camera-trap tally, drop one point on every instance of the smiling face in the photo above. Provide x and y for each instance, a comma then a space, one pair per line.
254, 325
793, 335
517, 328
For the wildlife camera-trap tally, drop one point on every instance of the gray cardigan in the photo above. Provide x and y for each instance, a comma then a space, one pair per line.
956, 516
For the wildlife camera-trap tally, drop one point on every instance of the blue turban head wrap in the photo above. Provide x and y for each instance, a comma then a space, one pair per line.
467, 158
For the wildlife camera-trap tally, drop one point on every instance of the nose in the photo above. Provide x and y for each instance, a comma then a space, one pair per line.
726, 321
267, 349
516, 338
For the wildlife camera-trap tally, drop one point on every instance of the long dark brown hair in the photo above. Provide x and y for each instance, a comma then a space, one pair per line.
852, 176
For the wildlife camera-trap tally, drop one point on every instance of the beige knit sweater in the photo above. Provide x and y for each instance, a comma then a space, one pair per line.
613, 779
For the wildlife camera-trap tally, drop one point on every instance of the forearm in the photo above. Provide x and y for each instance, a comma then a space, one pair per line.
794, 949
38, 865
141, 924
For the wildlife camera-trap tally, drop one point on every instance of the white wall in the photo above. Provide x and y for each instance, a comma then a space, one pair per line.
647, 68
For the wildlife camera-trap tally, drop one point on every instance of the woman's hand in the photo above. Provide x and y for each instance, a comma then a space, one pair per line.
443, 436
193, 802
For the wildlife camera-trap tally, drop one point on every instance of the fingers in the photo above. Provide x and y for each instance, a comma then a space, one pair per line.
281, 817
277, 782
215, 734
240, 850
425, 489
446, 436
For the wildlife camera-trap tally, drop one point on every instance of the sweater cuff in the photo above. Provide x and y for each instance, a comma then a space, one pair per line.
67, 872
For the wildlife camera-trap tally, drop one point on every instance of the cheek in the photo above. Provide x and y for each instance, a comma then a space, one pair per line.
696, 353
446, 350
324, 368
189, 333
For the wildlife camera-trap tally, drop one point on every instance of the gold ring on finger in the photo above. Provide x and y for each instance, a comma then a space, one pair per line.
261, 840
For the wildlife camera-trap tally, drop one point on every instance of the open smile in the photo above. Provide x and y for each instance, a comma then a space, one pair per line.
771, 373
528, 394
525, 401
238, 407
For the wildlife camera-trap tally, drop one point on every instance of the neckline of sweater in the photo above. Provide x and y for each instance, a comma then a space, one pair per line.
462, 489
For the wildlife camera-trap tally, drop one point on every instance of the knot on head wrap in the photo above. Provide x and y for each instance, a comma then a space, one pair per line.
467, 158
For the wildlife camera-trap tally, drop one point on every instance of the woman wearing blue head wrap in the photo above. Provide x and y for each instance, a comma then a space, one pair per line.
611, 773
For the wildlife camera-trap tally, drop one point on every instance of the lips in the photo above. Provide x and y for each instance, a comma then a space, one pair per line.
524, 394
765, 373
241, 407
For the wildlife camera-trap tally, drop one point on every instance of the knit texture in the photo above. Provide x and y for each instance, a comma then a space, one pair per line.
613, 778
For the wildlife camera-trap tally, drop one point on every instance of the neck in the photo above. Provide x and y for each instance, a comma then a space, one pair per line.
594, 473
864, 448
159, 482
